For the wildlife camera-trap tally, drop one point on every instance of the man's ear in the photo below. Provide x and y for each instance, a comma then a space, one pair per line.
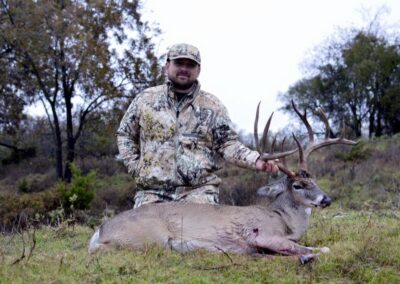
165, 68
199, 69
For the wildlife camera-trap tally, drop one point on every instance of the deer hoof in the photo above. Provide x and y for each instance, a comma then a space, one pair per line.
325, 250
306, 258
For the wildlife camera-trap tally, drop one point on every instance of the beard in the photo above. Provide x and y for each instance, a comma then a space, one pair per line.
178, 85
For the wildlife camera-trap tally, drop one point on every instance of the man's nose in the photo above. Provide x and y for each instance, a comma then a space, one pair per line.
184, 67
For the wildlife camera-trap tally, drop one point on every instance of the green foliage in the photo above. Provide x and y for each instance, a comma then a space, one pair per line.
23, 186
34, 183
80, 192
359, 152
356, 80
15, 209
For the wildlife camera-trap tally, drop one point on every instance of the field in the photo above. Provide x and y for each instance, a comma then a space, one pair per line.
362, 227
364, 249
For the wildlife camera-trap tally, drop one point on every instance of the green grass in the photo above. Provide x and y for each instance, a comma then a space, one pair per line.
364, 249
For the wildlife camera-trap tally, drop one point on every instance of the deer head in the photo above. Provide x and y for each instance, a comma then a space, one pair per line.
299, 187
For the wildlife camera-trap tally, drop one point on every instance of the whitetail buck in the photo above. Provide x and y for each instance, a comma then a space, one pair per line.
275, 226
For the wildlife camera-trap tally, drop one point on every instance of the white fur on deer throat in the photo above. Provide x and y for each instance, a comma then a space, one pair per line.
308, 211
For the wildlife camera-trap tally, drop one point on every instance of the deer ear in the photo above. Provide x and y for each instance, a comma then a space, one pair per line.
271, 190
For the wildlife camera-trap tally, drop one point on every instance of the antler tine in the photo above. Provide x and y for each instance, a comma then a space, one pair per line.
303, 117
302, 161
273, 156
283, 166
273, 144
260, 145
283, 160
264, 138
320, 112
327, 141
256, 128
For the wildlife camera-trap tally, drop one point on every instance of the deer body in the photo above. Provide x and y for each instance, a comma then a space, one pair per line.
186, 227
275, 226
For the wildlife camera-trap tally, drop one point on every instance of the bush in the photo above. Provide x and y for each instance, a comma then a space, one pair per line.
23, 185
114, 193
80, 192
239, 186
36, 182
359, 152
32, 206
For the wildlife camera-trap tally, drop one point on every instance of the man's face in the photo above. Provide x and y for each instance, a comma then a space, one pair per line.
182, 72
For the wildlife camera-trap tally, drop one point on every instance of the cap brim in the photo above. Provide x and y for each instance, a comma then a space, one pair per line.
185, 57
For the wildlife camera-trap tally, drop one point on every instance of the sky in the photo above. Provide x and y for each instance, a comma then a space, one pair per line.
253, 50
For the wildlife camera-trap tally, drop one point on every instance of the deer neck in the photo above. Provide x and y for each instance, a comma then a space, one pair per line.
295, 216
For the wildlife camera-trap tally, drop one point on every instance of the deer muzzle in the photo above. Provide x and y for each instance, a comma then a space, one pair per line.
325, 202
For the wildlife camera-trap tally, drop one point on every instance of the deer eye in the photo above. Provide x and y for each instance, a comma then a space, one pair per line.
297, 186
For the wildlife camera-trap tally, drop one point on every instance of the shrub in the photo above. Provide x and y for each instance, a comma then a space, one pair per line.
80, 192
359, 152
35, 182
23, 185
114, 193
31, 206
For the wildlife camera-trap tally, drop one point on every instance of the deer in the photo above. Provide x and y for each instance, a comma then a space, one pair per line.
275, 226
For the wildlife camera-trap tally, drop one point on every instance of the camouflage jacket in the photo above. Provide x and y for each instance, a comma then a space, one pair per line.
166, 144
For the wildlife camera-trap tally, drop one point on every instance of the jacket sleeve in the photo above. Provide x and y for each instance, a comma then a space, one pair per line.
128, 137
227, 144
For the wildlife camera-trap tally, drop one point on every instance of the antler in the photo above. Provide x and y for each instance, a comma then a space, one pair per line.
262, 145
312, 145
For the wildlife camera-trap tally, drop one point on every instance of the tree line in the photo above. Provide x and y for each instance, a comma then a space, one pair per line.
356, 80
83, 61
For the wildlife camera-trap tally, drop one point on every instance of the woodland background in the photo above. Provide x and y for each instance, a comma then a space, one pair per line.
84, 61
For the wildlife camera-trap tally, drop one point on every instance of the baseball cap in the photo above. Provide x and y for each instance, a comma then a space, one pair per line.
184, 50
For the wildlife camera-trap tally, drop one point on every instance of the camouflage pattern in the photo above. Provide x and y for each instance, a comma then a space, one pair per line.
184, 50
167, 145
207, 194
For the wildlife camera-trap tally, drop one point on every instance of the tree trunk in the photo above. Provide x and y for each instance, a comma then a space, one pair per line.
371, 127
356, 121
58, 143
379, 126
70, 136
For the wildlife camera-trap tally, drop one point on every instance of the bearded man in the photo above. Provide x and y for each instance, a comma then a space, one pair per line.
172, 134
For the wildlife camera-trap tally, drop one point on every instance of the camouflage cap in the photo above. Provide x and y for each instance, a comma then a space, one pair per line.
184, 50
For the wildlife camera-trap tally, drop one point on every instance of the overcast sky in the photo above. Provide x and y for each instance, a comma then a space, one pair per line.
252, 50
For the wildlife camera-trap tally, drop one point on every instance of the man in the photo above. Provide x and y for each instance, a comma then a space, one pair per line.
172, 134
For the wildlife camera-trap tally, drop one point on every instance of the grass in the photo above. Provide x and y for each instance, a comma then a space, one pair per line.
364, 249
362, 229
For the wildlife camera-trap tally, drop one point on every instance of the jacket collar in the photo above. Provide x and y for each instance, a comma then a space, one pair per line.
186, 100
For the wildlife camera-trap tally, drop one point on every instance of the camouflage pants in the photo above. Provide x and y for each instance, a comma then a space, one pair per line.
205, 194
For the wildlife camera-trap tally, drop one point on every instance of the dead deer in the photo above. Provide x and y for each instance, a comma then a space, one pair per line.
274, 227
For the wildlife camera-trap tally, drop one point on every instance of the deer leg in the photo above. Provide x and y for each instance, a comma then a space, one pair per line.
303, 259
289, 248
286, 247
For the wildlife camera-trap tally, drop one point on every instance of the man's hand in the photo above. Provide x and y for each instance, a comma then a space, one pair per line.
269, 166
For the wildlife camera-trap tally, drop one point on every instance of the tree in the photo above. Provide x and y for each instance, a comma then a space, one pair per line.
76, 57
356, 81
11, 107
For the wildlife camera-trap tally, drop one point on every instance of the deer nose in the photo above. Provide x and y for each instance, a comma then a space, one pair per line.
326, 201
